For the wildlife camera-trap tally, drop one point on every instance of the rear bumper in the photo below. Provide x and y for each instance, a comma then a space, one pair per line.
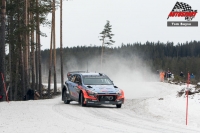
88, 101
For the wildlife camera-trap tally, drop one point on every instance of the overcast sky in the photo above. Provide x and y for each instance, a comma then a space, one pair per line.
131, 20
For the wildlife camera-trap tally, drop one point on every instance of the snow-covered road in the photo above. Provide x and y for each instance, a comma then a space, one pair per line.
142, 113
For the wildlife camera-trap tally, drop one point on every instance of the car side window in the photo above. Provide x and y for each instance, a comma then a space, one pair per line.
73, 78
78, 79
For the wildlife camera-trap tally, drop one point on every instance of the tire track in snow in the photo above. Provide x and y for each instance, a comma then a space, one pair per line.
77, 113
103, 114
130, 122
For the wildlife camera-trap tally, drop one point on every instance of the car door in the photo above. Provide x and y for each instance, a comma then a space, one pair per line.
70, 86
74, 87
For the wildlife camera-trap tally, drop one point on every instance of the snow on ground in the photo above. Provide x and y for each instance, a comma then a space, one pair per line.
142, 112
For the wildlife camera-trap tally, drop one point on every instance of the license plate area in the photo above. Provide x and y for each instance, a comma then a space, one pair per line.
106, 98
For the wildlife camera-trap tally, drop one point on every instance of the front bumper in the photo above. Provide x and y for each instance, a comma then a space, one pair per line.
96, 102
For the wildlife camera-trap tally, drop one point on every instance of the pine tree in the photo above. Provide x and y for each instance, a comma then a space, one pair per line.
106, 38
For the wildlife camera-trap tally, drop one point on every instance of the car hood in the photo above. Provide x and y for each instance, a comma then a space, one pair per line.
103, 89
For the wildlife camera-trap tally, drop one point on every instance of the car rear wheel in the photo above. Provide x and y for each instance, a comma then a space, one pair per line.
82, 100
119, 105
65, 98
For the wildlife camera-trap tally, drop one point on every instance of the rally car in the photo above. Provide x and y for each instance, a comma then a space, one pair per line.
91, 89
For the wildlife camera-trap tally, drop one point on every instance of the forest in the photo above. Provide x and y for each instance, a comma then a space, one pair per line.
20, 35
160, 56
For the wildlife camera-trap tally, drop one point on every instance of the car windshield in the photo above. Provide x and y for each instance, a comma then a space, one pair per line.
100, 80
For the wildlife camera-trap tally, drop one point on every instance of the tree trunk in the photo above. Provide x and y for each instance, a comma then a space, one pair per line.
22, 81
54, 47
32, 53
21, 57
26, 47
102, 55
39, 61
2, 47
50, 60
61, 49
10, 61
16, 79
36, 61
39, 72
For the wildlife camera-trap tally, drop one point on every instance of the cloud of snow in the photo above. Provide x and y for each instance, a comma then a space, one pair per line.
131, 73
121, 69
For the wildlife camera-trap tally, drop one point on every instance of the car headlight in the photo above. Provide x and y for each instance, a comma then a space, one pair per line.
91, 93
119, 93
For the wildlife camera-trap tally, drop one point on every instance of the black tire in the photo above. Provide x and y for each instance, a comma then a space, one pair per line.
65, 98
82, 100
118, 105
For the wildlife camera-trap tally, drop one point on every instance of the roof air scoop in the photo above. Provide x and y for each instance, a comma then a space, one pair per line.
89, 86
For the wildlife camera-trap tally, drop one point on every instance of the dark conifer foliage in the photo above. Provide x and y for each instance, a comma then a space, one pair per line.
159, 56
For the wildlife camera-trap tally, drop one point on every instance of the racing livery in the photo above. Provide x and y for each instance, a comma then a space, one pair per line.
91, 89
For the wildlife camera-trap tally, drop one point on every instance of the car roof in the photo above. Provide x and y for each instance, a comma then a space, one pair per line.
89, 73
84, 73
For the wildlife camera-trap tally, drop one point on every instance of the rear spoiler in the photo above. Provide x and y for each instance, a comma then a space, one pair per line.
69, 74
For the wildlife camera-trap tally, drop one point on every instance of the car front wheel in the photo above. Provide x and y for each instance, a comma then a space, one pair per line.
65, 98
82, 100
